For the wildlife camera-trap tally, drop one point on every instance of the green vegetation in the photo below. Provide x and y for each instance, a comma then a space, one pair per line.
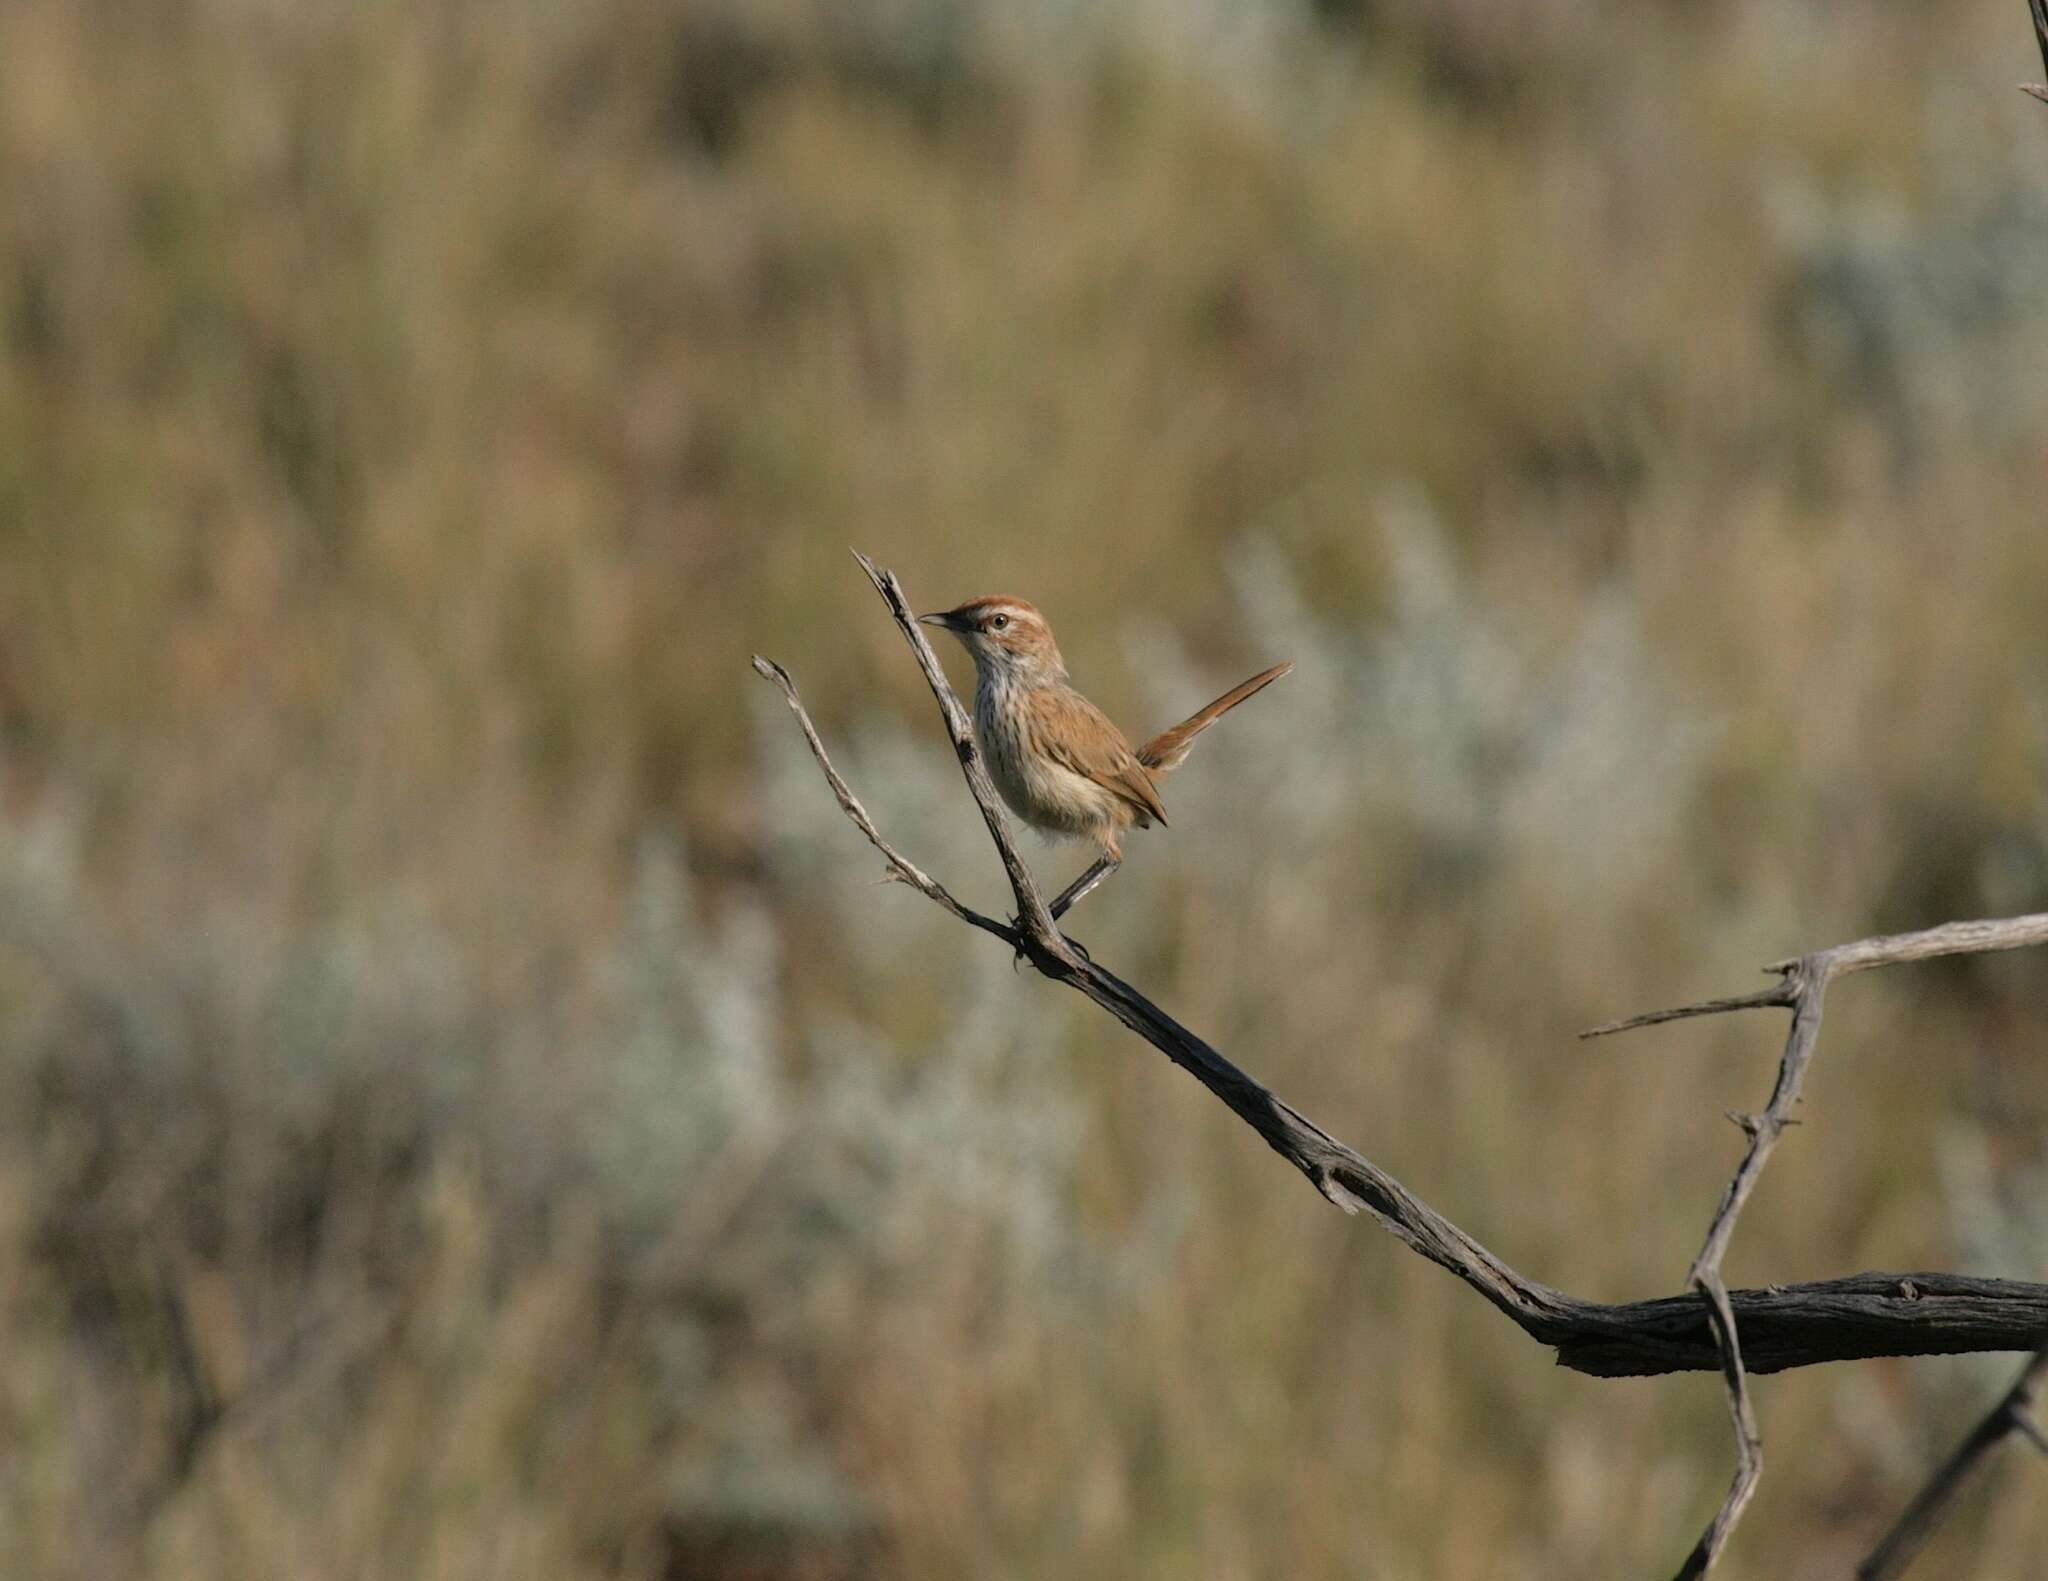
466, 1107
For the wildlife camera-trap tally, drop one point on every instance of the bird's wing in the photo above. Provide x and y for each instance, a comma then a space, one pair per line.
1078, 736
1166, 750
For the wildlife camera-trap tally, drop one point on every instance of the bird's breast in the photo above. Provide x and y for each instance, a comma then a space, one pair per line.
1038, 788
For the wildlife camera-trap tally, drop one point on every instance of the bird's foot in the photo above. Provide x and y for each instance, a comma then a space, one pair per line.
1017, 927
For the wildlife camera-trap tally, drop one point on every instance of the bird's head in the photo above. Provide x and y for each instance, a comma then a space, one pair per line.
1007, 637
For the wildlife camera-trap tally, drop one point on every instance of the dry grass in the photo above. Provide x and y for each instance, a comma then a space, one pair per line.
465, 1108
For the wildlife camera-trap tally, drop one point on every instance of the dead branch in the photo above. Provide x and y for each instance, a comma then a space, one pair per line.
900, 866
2038, 10
1802, 989
1749, 1444
1890, 1557
1737, 1332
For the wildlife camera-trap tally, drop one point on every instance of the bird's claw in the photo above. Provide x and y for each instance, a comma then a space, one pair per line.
1017, 927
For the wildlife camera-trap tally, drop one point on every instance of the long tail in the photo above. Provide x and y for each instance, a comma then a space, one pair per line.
1166, 750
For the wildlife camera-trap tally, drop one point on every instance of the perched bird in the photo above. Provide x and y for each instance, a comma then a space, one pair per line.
1058, 761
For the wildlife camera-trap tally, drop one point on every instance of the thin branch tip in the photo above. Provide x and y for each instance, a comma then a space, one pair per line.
883, 578
1775, 997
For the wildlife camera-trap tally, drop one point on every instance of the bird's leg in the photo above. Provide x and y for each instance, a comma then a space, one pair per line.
1103, 866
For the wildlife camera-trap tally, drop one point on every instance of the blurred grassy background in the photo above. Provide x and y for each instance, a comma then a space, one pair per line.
465, 1108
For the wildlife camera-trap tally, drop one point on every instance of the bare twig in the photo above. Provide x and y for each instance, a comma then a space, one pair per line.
1891, 1557
1749, 1446
1774, 997
1802, 989
1711, 1327
1951, 938
900, 866
2038, 10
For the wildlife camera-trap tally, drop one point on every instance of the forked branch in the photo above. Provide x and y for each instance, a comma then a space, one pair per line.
1802, 989
1736, 1332
2038, 9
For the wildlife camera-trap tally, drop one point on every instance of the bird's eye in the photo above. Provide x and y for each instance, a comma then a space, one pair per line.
998, 622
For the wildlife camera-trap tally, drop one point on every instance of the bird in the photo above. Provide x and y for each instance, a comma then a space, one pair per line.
1057, 760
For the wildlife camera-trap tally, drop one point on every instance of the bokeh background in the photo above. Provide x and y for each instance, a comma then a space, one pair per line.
467, 1108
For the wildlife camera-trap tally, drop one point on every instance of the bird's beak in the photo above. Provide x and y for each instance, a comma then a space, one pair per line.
949, 618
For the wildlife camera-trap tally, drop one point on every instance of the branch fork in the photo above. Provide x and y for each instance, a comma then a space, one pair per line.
1709, 1327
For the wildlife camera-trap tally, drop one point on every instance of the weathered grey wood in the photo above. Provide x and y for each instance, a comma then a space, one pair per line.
1786, 1326
2038, 10
1805, 983
1891, 1556
1709, 1328
900, 866
1802, 988
1951, 938
1775, 997
1749, 1444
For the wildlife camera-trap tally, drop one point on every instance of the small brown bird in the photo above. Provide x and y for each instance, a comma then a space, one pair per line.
1058, 761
